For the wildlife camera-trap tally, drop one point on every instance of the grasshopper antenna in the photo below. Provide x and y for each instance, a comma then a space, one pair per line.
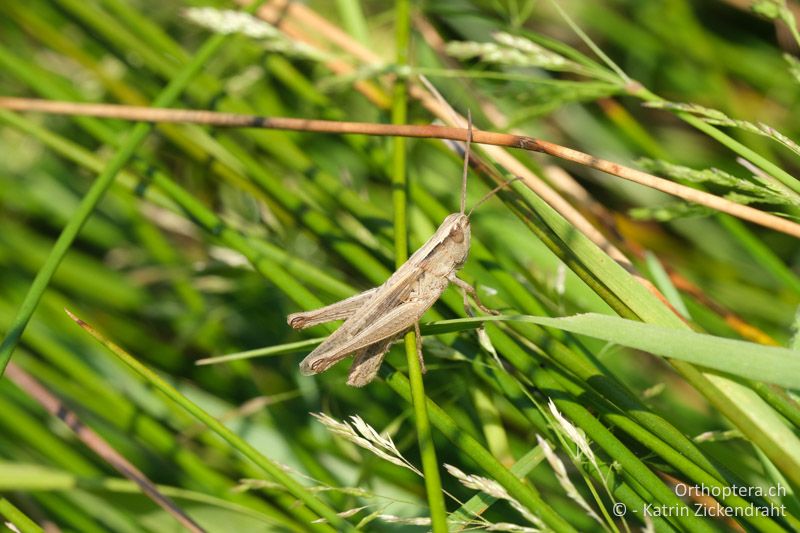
492, 193
466, 163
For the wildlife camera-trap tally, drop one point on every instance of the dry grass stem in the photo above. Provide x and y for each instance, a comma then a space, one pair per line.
149, 114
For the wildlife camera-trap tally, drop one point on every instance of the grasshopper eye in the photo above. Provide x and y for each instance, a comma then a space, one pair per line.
457, 234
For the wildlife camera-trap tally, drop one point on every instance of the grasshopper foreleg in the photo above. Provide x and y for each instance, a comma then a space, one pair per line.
467, 288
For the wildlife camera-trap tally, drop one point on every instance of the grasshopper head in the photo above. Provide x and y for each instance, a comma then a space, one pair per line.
459, 226
459, 235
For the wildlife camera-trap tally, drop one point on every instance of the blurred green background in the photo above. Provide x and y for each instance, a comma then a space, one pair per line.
210, 237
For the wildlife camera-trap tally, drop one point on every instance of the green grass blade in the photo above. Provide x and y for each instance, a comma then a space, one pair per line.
772, 364
135, 137
314, 504
16, 517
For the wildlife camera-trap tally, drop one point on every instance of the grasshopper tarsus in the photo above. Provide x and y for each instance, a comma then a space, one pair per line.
296, 321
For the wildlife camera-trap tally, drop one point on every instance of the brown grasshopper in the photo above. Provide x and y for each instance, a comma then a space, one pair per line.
374, 319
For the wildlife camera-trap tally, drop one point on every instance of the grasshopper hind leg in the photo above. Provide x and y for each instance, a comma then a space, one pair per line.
367, 361
340, 310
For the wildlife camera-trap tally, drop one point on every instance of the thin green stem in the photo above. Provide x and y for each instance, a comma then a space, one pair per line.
430, 465
353, 19
399, 116
590, 43
525, 493
274, 471
13, 515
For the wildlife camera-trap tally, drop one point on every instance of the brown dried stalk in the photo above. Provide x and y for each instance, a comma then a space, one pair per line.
286, 15
238, 120
149, 114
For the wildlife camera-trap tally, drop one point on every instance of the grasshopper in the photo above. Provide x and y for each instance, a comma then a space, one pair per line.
374, 319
